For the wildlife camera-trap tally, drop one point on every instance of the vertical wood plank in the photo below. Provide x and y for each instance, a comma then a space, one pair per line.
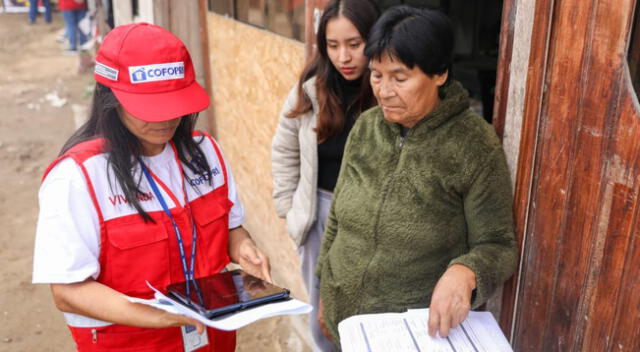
543, 14
507, 302
609, 238
581, 274
546, 310
504, 61
308, 28
162, 13
312, 9
209, 115
122, 12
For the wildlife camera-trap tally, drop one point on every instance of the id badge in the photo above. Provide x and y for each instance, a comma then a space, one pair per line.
191, 339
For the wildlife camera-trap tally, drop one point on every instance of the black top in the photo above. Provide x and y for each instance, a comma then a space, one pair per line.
330, 151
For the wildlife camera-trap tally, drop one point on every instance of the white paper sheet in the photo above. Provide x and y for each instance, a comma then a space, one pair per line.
396, 332
227, 322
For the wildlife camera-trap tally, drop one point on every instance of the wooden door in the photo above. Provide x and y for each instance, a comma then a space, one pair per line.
577, 184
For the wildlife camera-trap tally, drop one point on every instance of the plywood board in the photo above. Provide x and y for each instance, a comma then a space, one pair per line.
252, 71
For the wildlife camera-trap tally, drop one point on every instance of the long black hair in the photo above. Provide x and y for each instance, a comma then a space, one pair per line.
122, 147
331, 117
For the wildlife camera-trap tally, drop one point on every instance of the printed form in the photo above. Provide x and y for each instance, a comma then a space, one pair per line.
400, 332
227, 322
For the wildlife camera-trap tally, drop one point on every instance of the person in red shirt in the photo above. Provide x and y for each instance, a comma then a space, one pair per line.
73, 11
137, 196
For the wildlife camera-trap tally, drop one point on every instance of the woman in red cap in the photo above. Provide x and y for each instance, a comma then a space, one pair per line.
137, 196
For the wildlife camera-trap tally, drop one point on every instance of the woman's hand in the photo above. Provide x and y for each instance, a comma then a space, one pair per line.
243, 251
320, 318
451, 299
169, 319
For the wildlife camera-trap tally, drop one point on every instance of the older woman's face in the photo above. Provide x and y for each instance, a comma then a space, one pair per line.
345, 47
405, 95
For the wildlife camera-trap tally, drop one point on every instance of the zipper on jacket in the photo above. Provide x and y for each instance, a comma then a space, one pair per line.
386, 186
401, 143
94, 336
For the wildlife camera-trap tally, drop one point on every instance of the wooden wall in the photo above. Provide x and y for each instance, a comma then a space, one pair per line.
252, 71
577, 188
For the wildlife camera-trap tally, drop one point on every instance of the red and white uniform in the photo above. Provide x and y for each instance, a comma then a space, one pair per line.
87, 229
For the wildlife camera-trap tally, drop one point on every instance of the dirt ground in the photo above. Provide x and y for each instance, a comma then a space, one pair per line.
39, 85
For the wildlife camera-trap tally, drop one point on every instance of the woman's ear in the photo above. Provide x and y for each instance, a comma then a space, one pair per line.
442, 78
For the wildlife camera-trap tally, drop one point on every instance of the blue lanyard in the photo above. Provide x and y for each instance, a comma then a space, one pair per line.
188, 273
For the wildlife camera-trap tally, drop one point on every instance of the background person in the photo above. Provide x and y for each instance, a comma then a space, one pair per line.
309, 141
72, 12
422, 211
33, 11
136, 196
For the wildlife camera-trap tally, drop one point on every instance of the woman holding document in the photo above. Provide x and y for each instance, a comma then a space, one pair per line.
137, 196
421, 214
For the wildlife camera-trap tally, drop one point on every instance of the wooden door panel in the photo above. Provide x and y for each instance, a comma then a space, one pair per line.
614, 309
589, 208
530, 121
580, 281
610, 323
552, 256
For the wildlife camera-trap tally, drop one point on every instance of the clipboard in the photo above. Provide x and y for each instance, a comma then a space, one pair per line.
226, 293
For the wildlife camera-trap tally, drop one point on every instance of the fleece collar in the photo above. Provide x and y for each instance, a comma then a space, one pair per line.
455, 101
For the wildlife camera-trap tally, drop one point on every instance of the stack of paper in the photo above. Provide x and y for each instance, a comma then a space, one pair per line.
227, 322
395, 332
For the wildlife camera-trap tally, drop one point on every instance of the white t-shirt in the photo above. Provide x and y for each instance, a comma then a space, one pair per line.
67, 245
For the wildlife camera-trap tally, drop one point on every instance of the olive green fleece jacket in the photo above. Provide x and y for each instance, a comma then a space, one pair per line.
405, 209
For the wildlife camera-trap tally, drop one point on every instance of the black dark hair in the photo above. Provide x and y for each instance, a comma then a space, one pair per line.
331, 117
123, 147
419, 37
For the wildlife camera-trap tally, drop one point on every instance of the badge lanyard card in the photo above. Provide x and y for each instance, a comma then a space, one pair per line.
188, 271
268, 293
191, 339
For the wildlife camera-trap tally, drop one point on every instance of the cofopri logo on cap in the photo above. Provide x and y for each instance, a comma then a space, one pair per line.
157, 72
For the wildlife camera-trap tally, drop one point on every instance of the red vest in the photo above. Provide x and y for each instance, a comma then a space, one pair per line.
132, 252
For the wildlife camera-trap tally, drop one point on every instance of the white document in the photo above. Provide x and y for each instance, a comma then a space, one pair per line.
400, 332
227, 322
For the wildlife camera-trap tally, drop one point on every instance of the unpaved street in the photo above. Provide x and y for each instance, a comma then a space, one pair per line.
32, 131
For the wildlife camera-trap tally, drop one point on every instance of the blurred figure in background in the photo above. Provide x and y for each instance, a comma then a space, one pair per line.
72, 12
33, 10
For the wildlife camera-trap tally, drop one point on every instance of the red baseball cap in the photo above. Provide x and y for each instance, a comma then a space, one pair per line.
150, 72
